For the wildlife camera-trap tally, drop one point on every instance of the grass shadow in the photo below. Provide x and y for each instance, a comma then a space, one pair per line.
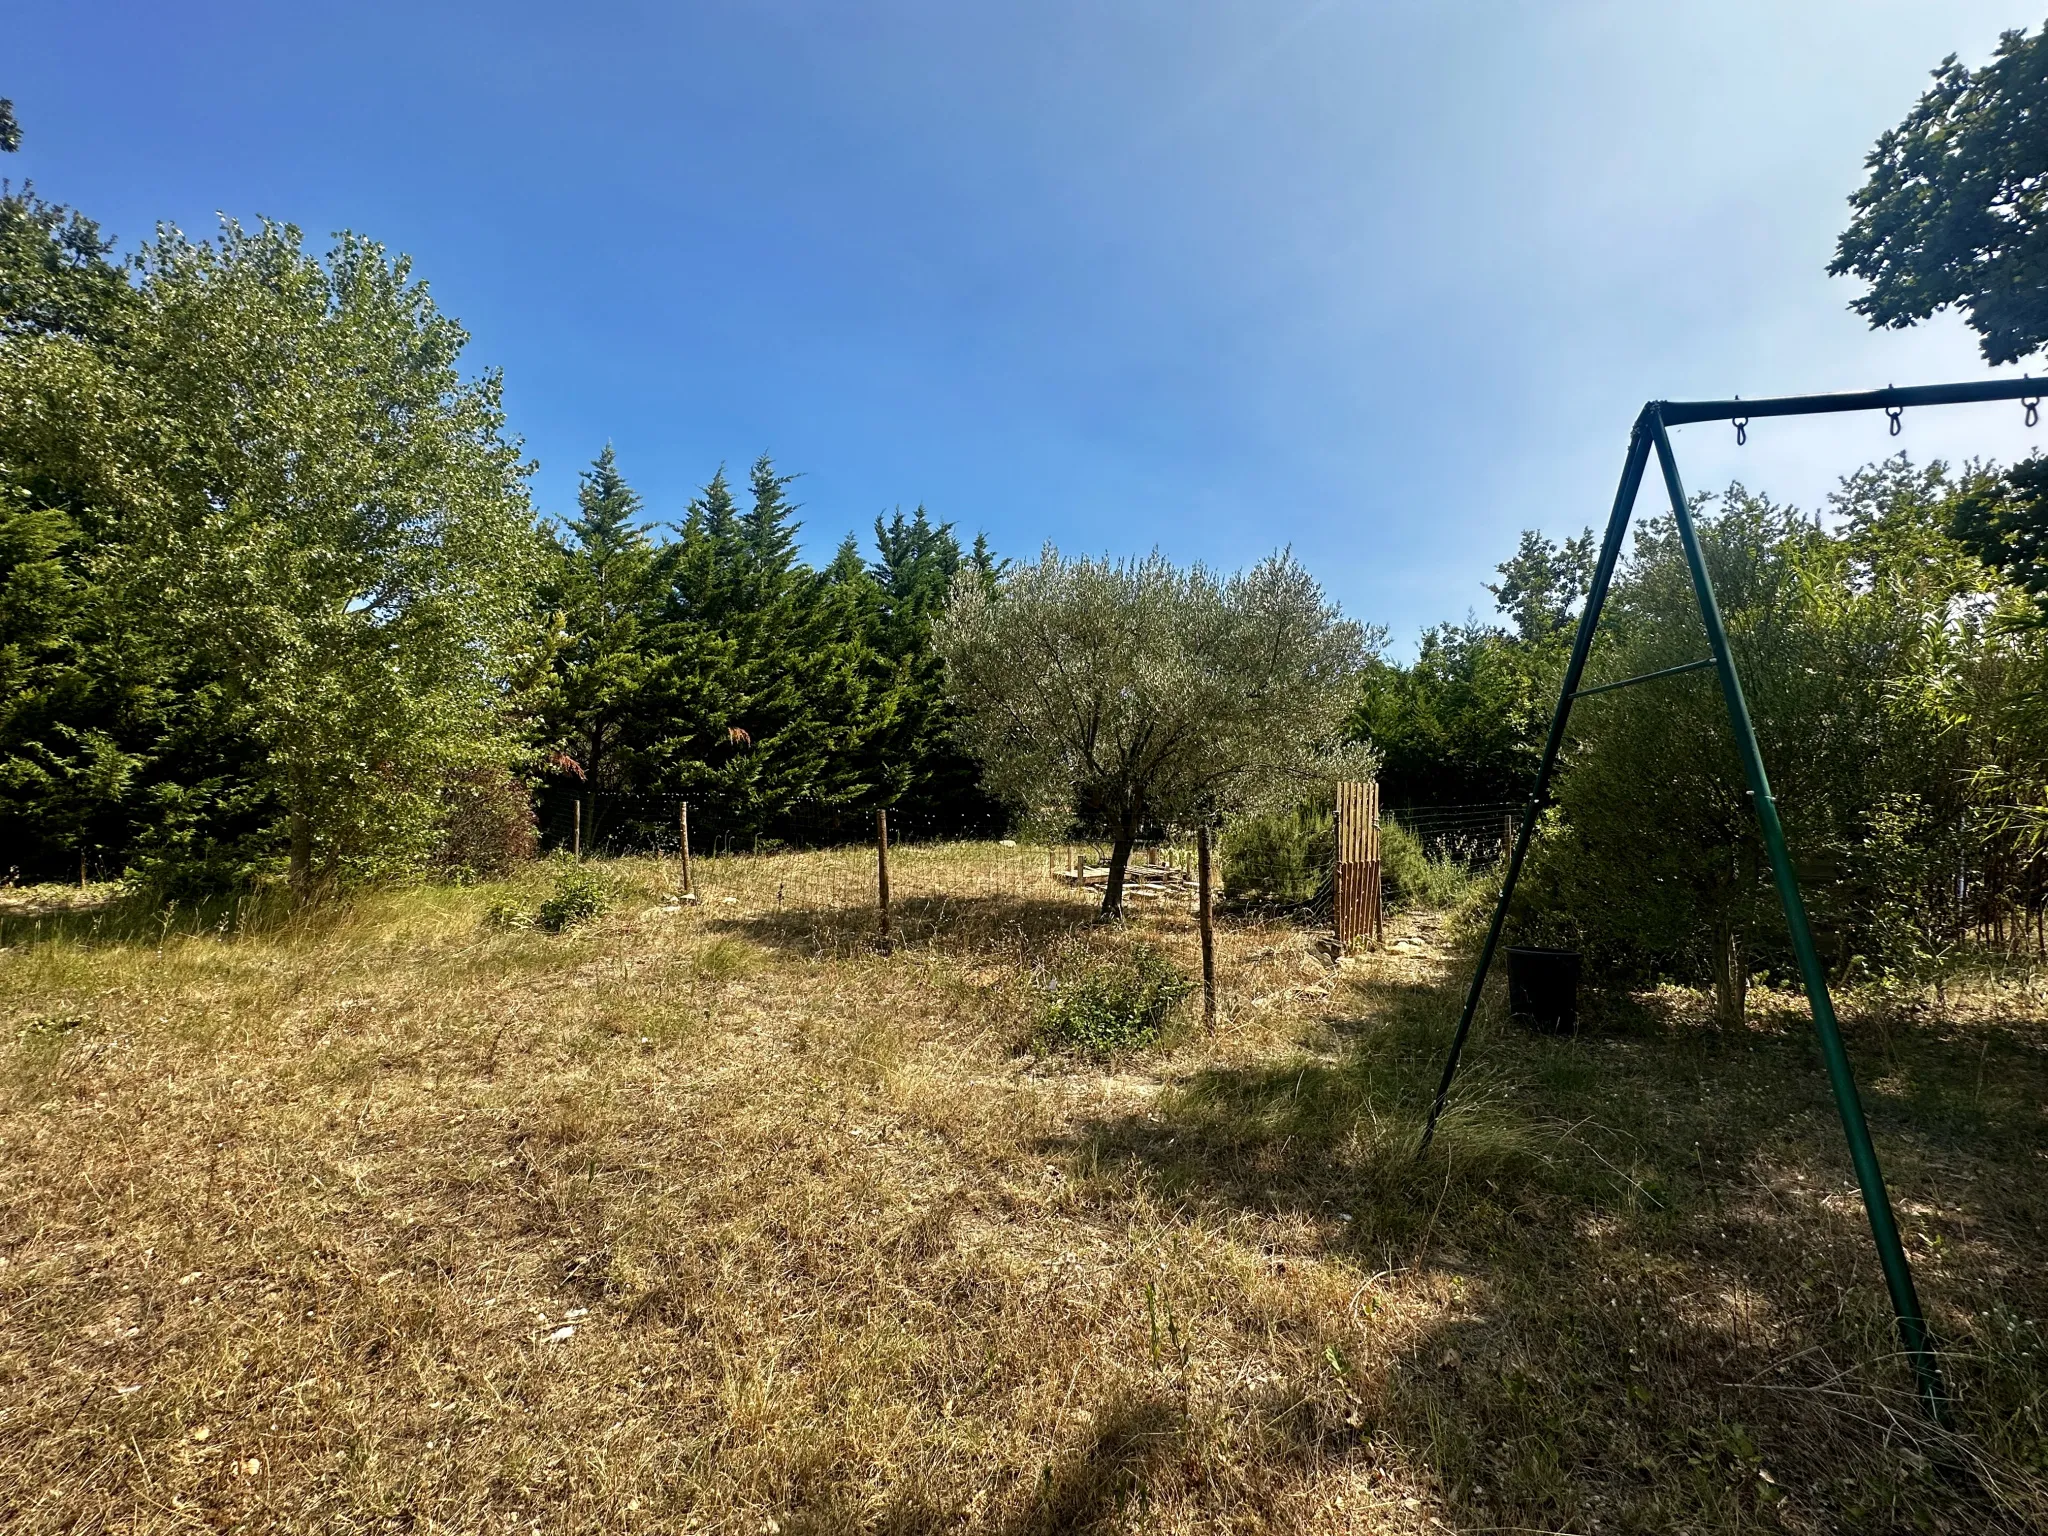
1654, 1295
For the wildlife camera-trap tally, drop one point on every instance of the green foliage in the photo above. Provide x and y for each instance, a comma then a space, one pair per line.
1281, 858
1464, 723
606, 587
1952, 214
1859, 652
1133, 693
1107, 1006
665, 649
264, 556
2002, 519
581, 893
1542, 584
1289, 859
1410, 876
55, 278
271, 597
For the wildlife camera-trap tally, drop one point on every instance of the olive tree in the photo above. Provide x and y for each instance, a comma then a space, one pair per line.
1132, 693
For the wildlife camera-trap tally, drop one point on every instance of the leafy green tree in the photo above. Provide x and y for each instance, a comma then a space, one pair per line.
1952, 214
2002, 519
309, 552
1542, 584
1847, 644
77, 707
1136, 693
54, 274
10, 129
1464, 723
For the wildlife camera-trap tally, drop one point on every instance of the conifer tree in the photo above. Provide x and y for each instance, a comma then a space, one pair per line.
767, 529
608, 590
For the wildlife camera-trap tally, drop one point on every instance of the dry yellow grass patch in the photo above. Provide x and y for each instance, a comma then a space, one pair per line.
714, 1219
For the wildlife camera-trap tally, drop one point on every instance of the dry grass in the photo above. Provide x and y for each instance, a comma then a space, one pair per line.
715, 1219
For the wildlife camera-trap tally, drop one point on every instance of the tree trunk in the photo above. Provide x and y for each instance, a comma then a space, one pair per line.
1119, 863
1731, 978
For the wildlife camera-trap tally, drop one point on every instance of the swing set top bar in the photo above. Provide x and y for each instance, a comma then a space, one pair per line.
1678, 413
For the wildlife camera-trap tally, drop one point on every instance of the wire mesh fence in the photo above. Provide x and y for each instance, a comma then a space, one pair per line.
1469, 834
930, 856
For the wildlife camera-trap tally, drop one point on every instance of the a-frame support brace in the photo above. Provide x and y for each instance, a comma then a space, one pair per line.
1650, 435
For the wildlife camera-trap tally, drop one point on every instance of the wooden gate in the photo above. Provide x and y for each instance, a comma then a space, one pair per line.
1358, 863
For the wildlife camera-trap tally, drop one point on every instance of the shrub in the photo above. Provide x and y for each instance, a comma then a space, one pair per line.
580, 894
1112, 1005
1412, 877
1288, 859
506, 912
1283, 858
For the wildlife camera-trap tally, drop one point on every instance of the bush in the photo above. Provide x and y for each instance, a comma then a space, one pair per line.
1411, 877
1283, 858
1289, 858
580, 894
1113, 1005
486, 824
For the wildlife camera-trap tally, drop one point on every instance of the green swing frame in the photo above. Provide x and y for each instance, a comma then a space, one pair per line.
1651, 435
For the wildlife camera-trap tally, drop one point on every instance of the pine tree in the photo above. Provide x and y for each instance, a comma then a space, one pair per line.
607, 508
767, 529
609, 582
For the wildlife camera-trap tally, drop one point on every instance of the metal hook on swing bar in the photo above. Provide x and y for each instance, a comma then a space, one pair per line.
1896, 412
2033, 405
1741, 430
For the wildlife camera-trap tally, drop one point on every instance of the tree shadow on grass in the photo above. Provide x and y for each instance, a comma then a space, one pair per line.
1652, 1298
990, 925
1093, 1487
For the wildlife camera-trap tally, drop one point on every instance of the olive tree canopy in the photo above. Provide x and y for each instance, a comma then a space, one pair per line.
1133, 693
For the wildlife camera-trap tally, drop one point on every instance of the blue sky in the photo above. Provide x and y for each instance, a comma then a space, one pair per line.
1385, 282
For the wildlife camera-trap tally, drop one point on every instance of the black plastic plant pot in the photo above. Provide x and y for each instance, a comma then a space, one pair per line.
1543, 989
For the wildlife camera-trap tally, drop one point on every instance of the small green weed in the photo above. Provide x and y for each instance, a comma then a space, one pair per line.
1113, 1005
507, 912
581, 894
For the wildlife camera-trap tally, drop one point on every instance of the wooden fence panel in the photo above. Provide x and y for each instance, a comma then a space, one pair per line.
1358, 863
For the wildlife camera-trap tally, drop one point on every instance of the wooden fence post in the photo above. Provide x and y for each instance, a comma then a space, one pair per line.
882, 871
1206, 915
576, 837
1358, 863
683, 829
